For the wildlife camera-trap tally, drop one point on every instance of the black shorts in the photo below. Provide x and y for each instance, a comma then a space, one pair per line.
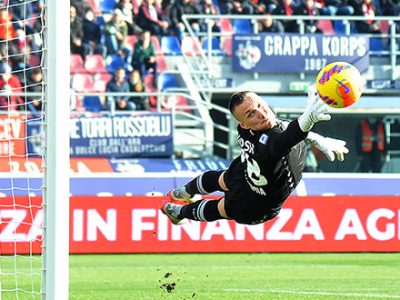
244, 208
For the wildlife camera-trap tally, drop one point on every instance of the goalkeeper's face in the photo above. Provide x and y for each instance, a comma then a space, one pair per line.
253, 113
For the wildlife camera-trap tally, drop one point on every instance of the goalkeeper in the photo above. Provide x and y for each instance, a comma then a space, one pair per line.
259, 181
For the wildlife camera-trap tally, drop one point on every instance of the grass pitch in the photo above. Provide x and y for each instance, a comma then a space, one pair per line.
214, 276
235, 276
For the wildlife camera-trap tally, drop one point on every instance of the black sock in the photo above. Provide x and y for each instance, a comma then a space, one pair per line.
204, 184
202, 210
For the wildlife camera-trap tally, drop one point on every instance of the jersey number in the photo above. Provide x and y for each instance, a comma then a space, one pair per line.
253, 170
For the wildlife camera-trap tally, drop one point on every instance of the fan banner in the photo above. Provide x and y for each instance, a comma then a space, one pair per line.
12, 135
294, 53
122, 135
136, 225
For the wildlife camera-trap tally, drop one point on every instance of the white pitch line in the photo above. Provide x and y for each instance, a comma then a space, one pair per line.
315, 293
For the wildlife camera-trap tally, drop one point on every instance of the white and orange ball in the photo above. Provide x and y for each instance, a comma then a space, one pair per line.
339, 84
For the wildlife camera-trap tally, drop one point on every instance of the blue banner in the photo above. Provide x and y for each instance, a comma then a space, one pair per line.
149, 135
295, 53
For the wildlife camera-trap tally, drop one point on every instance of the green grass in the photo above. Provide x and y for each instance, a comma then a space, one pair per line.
233, 276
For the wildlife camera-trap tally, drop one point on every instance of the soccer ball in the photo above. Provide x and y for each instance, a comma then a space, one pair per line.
339, 84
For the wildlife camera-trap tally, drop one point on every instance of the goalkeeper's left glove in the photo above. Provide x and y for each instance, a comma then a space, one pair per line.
332, 148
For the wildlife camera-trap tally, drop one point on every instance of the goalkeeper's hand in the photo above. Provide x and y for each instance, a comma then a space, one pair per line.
332, 148
315, 111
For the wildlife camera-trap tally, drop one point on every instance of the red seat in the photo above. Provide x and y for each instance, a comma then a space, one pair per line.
190, 45
131, 41
161, 63
326, 27
95, 64
82, 82
177, 101
76, 64
100, 81
226, 45
226, 26
156, 43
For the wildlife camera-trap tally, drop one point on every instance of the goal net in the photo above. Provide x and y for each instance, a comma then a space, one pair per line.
28, 149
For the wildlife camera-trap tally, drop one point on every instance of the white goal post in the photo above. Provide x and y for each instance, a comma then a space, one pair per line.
56, 188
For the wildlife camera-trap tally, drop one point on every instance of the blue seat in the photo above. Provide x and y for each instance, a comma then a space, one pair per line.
170, 45
215, 46
168, 81
114, 62
339, 27
92, 103
242, 26
107, 6
376, 44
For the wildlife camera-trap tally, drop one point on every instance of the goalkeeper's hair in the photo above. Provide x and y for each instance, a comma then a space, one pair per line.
237, 99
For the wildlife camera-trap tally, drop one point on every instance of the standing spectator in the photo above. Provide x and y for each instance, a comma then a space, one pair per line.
270, 25
144, 56
368, 9
115, 33
9, 84
180, 8
287, 8
308, 8
136, 85
150, 18
371, 144
76, 35
34, 84
118, 84
92, 35
128, 16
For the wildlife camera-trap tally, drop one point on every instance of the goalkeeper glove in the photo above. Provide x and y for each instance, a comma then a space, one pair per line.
332, 148
315, 111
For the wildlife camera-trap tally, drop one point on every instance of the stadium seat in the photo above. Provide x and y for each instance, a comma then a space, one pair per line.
190, 45
76, 64
170, 45
131, 41
156, 43
226, 26
167, 81
82, 82
242, 26
326, 27
227, 46
161, 63
95, 5
176, 101
100, 81
339, 27
107, 6
376, 44
215, 46
114, 62
95, 64
92, 103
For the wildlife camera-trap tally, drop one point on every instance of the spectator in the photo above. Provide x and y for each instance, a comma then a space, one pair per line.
81, 6
208, 8
7, 30
287, 8
118, 84
34, 84
368, 9
22, 12
150, 18
9, 84
115, 33
136, 85
390, 7
270, 5
144, 56
308, 8
242, 8
128, 16
180, 8
92, 35
76, 35
270, 25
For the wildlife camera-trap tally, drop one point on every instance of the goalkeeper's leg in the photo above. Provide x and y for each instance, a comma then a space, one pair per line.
204, 184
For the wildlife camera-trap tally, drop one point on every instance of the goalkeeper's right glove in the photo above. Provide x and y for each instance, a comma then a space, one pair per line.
315, 111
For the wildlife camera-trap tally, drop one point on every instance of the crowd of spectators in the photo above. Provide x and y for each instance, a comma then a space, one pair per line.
109, 34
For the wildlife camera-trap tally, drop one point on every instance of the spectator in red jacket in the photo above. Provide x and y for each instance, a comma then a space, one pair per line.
151, 18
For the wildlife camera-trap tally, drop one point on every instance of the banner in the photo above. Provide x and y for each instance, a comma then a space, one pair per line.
136, 225
12, 135
122, 135
295, 53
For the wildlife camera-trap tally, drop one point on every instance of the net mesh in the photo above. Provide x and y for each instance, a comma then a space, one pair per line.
21, 131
